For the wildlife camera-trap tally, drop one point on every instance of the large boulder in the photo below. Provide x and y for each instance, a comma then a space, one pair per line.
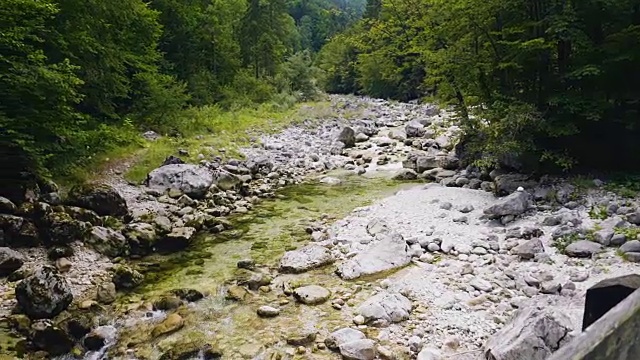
305, 259
141, 237
260, 165
50, 338
178, 239
7, 206
18, 232
107, 241
389, 251
103, 199
385, 308
126, 278
45, 294
10, 261
347, 137
364, 349
311, 294
191, 180
343, 336
514, 204
533, 334
60, 228
414, 129
506, 184
582, 249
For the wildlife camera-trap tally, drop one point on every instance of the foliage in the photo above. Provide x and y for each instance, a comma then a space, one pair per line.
82, 78
598, 213
550, 77
562, 242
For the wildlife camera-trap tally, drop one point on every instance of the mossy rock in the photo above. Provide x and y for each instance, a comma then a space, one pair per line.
102, 198
190, 350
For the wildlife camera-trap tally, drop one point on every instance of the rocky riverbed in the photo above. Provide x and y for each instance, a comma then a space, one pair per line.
358, 237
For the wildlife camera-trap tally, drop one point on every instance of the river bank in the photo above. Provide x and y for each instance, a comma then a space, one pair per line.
328, 226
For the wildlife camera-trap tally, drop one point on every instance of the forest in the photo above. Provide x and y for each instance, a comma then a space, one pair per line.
77, 77
542, 85
538, 84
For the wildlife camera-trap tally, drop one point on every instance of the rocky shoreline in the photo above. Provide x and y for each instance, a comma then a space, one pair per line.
435, 271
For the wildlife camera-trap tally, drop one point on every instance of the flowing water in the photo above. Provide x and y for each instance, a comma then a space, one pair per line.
263, 235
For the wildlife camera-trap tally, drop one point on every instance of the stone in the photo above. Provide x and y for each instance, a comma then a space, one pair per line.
583, 249
190, 295
603, 236
528, 250
301, 336
268, 311
385, 308
141, 238
481, 284
63, 265
126, 278
630, 246
405, 174
106, 293
389, 252
305, 259
329, 180
191, 180
107, 241
45, 294
347, 137
60, 228
514, 204
618, 239
550, 287
172, 323
414, 129
360, 137
429, 354
506, 184
193, 350
363, 349
7, 206
50, 338
16, 231
102, 198
343, 336
10, 261
533, 334
178, 239
311, 295
99, 337
170, 302
236, 293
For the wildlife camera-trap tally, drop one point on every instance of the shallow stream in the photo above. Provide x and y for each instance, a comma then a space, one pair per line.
271, 228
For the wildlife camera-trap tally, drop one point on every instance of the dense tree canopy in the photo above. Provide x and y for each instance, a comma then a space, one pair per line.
558, 79
75, 74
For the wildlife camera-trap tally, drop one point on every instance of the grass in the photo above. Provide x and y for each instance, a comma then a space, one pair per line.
562, 242
208, 130
598, 213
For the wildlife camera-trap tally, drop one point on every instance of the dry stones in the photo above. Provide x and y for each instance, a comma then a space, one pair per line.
311, 295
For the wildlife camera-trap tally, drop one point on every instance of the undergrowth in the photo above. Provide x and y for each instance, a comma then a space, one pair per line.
209, 130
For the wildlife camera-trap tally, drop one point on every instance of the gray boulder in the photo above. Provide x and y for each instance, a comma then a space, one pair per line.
405, 174
107, 241
10, 261
343, 336
385, 308
506, 184
631, 246
528, 250
414, 129
45, 294
582, 249
141, 238
514, 204
311, 295
533, 334
103, 199
363, 349
305, 259
191, 180
17, 231
347, 137
178, 239
389, 251
6, 206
